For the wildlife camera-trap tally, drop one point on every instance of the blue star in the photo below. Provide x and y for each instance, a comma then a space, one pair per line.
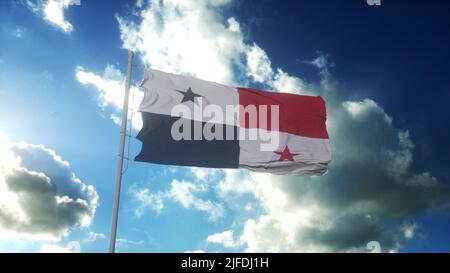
188, 95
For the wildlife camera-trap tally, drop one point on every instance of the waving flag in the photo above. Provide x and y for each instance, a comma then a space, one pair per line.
192, 122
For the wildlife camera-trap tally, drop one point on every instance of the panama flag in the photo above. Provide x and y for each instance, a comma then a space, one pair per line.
192, 122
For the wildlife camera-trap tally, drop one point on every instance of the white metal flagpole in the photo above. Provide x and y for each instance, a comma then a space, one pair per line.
123, 129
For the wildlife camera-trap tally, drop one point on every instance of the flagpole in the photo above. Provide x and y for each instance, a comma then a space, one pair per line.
123, 128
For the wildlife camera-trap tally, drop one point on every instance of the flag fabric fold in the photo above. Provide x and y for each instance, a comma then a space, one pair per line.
192, 122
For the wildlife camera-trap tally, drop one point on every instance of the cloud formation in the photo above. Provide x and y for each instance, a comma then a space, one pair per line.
52, 11
224, 238
181, 192
186, 37
125, 243
71, 247
40, 196
111, 87
93, 236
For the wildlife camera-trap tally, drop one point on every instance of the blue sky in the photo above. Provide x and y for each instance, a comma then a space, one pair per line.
383, 71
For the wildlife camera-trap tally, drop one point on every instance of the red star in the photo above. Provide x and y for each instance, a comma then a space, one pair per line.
286, 154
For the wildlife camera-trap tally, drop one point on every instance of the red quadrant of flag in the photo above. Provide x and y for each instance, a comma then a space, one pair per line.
298, 115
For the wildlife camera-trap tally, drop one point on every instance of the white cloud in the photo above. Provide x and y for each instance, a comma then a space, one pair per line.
204, 174
264, 235
184, 193
40, 196
224, 238
47, 248
358, 108
259, 69
283, 82
139, 3
111, 88
93, 236
186, 37
122, 242
147, 200
322, 63
52, 11
181, 192
234, 185
71, 247
110, 85
258, 64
